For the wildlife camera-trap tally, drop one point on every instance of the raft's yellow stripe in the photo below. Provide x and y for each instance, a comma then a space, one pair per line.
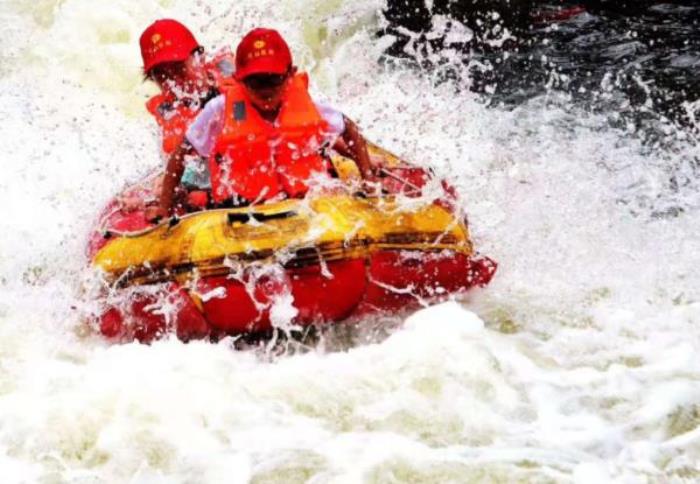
338, 226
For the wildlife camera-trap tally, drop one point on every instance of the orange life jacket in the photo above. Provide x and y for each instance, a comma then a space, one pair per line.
257, 160
174, 116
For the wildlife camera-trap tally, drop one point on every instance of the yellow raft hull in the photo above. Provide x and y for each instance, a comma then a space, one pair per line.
296, 233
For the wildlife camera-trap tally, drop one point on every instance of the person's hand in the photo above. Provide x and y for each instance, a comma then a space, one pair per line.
130, 203
155, 214
371, 173
372, 185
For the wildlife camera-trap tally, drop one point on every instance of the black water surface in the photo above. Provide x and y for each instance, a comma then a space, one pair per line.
637, 60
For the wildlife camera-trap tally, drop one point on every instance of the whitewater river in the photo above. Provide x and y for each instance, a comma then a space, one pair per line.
579, 363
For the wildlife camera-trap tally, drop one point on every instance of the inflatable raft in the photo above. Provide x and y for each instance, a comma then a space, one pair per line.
307, 261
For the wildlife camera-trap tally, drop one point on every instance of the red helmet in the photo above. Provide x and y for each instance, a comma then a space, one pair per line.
262, 51
166, 40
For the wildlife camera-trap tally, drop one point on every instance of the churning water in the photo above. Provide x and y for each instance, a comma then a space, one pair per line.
578, 363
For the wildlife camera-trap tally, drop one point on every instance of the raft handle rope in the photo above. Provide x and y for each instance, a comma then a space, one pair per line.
259, 217
109, 233
387, 173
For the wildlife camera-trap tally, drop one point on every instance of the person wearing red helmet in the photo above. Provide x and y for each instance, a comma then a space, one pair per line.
175, 61
264, 136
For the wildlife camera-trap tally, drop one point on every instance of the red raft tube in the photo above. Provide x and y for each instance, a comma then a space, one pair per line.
291, 263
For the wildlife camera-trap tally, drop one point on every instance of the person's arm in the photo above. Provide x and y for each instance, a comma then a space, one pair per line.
353, 145
171, 179
201, 136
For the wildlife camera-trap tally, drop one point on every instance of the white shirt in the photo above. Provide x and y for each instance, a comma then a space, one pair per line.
207, 126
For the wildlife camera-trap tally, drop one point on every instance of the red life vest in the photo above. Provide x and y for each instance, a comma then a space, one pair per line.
174, 116
257, 160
